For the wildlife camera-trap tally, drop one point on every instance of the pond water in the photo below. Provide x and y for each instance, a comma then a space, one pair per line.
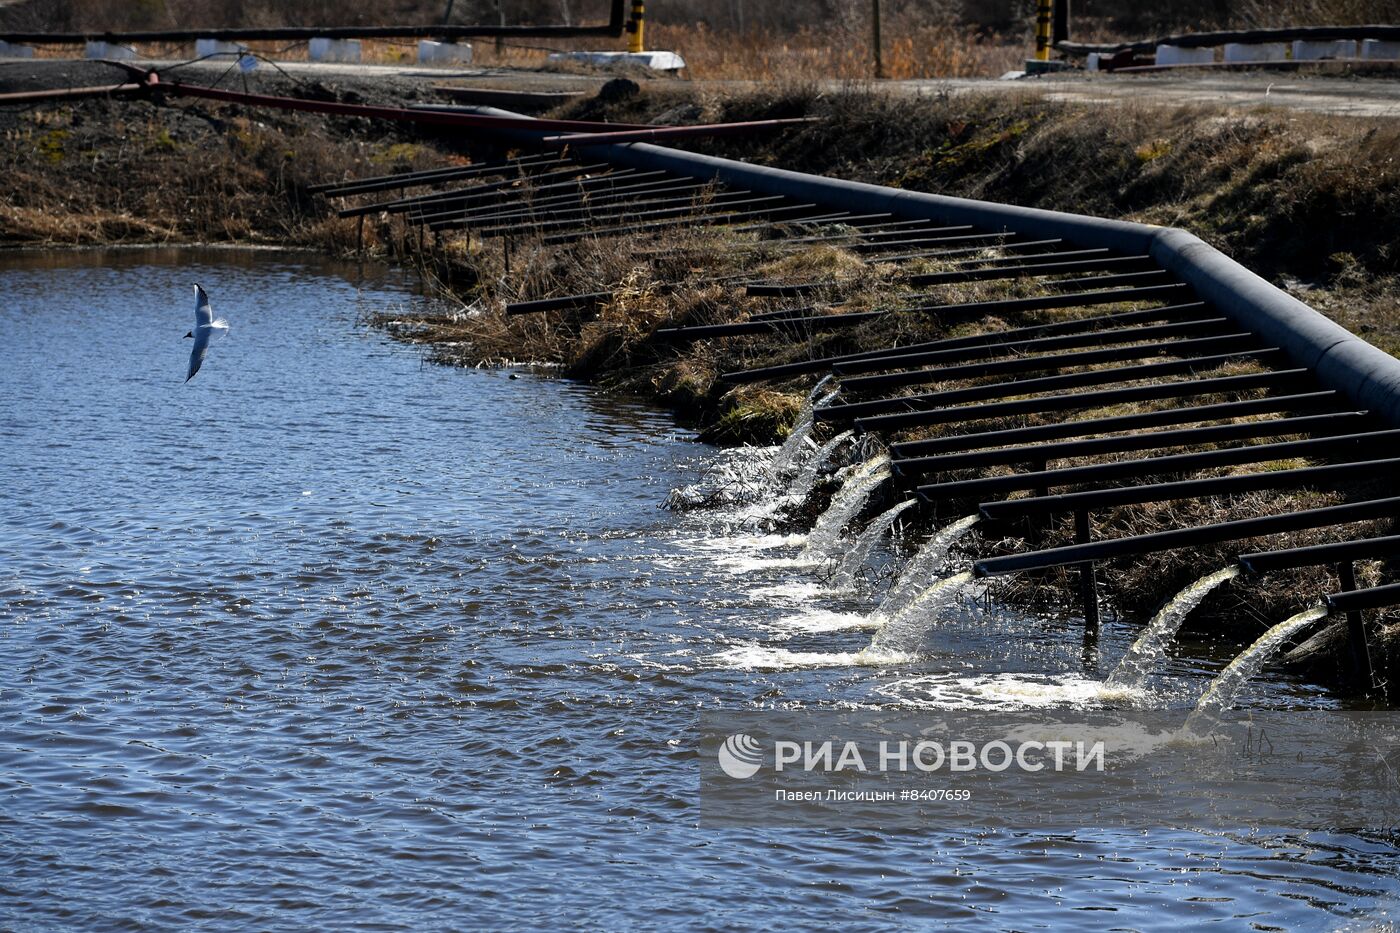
331, 638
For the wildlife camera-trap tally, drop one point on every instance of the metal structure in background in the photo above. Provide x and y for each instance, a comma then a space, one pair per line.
1044, 19
1198, 40
876, 43
636, 25
615, 27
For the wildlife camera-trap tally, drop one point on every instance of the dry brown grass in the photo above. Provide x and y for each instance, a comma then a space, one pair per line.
107, 172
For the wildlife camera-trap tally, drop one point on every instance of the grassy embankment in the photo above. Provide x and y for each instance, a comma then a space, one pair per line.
1307, 201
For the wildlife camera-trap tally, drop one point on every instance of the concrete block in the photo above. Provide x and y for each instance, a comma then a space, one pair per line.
100, 49
1373, 50
1035, 66
1256, 52
15, 51
1092, 62
656, 61
1176, 55
203, 48
457, 53
321, 49
1311, 50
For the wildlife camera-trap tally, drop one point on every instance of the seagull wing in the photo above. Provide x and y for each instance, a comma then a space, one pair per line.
199, 350
203, 314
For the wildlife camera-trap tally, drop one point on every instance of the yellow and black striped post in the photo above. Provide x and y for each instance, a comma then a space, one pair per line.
1044, 15
635, 41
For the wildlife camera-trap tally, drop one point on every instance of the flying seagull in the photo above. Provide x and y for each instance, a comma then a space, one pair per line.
204, 327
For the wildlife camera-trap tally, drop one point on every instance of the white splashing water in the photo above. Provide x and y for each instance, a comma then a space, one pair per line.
1228, 684
922, 566
903, 633
796, 441
806, 476
1151, 646
825, 536
1012, 691
737, 475
768, 658
855, 558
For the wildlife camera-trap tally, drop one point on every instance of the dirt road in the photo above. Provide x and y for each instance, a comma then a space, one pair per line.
1373, 97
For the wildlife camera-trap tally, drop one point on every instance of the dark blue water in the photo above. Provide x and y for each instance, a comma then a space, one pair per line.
332, 639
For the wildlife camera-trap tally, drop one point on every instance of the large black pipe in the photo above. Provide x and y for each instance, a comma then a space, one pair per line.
1081, 401
340, 189
1002, 268
613, 28
1056, 430
1376, 597
1189, 537
1000, 306
1319, 554
1005, 337
1368, 376
995, 391
1122, 443
1302, 478
1199, 40
1343, 446
1039, 363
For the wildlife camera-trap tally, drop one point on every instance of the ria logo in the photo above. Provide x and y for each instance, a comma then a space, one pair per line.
740, 756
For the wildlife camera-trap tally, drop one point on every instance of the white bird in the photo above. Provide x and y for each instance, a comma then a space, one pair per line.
204, 327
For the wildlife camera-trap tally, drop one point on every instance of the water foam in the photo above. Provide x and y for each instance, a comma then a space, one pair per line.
1151, 646
1006, 691
792, 448
1228, 684
768, 658
905, 631
859, 553
859, 484
806, 476
923, 565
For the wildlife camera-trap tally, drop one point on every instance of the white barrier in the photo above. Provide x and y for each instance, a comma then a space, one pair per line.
459, 53
15, 51
203, 48
1311, 50
1379, 50
321, 49
1256, 52
110, 50
656, 61
1176, 55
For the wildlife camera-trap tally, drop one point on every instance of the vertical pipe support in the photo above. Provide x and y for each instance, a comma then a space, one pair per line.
875, 42
1040, 466
1358, 643
1044, 15
1088, 580
1060, 31
1037, 531
635, 26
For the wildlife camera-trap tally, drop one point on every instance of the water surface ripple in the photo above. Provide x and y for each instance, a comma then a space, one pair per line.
332, 639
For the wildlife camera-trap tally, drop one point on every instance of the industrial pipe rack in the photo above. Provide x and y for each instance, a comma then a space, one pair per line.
1230, 365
